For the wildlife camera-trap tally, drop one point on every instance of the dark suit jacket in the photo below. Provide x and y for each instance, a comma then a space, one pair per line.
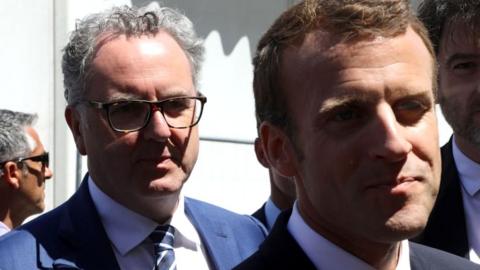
446, 229
281, 251
72, 237
260, 215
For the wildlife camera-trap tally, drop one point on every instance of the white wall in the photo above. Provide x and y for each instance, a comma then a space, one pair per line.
227, 173
27, 66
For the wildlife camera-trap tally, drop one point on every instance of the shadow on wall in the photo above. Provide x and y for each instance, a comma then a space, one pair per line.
233, 19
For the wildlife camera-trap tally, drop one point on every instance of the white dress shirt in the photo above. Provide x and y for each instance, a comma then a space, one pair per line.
332, 256
3, 228
271, 213
469, 173
128, 232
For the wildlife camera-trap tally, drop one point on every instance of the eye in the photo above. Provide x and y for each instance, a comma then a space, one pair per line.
176, 104
464, 67
342, 120
128, 108
346, 113
410, 111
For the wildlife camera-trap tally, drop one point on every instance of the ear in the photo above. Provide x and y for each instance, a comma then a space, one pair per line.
278, 150
72, 116
11, 174
261, 153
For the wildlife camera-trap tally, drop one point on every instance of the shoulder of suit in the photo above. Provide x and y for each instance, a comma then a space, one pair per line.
432, 258
217, 213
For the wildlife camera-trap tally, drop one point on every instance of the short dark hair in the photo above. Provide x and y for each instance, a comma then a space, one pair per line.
350, 20
438, 15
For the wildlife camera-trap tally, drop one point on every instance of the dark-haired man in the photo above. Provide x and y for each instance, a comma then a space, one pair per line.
345, 93
454, 223
282, 191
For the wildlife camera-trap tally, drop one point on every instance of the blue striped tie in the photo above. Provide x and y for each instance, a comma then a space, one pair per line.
162, 238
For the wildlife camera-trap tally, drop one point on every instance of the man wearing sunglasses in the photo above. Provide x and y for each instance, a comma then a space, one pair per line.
23, 169
133, 107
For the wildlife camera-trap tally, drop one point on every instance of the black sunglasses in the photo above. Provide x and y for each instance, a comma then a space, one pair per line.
43, 158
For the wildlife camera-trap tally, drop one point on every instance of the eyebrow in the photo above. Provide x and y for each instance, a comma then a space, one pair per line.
461, 56
365, 98
122, 96
339, 101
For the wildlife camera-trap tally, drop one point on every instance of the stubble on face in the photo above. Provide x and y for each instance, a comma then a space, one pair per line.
366, 125
459, 96
461, 117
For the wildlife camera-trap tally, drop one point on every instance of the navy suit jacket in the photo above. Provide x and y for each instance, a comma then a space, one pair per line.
446, 229
72, 237
281, 251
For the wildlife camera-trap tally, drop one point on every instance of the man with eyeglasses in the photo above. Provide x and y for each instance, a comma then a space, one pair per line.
23, 169
133, 107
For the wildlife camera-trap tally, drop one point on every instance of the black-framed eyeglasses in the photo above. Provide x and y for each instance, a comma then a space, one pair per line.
133, 115
43, 158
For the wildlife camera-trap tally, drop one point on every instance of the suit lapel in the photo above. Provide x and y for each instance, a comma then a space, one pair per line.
216, 235
82, 231
280, 250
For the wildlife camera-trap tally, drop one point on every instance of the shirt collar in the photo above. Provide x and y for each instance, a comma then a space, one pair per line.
468, 170
127, 229
271, 212
3, 228
333, 256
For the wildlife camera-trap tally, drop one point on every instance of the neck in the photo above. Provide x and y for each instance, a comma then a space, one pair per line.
470, 150
10, 220
10, 215
382, 256
281, 200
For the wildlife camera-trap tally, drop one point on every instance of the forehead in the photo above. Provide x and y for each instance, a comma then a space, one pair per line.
322, 65
458, 37
141, 67
34, 141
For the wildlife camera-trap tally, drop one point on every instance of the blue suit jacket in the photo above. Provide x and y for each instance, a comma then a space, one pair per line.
72, 237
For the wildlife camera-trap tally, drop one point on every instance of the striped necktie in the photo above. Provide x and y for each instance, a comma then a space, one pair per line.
162, 238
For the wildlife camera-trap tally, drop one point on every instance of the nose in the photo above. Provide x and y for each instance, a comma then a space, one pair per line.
157, 129
48, 173
389, 139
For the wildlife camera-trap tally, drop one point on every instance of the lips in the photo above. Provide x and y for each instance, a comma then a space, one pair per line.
155, 160
402, 180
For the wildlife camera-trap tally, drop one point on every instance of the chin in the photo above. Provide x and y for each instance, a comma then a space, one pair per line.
163, 187
406, 224
39, 208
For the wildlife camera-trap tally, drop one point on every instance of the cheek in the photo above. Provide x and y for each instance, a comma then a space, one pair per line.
329, 167
460, 89
185, 144
425, 147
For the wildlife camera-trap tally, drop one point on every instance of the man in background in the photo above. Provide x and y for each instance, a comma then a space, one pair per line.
130, 79
282, 192
23, 169
345, 93
454, 225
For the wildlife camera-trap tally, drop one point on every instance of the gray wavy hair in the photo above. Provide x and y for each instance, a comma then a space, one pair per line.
13, 137
80, 50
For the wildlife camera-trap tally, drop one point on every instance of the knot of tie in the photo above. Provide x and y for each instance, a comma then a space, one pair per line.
163, 239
